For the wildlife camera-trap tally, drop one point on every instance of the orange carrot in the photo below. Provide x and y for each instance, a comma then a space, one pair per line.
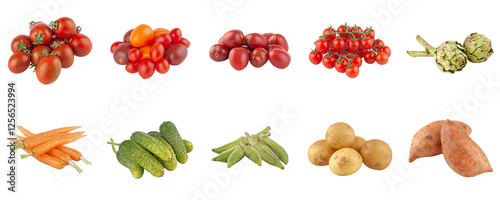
20, 137
74, 154
49, 160
25, 131
59, 130
64, 157
47, 146
32, 142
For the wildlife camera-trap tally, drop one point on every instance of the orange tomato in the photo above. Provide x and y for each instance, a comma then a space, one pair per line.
160, 30
145, 50
141, 36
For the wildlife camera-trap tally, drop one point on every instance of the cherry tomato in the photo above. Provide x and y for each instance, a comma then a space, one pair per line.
279, 40
48, 69
157, 51
315, 57
370, 33
329, 30
353, 45
80, 44
40, 33
56, 40
120, 55
185, 42
357, 61
146, 68
218, 52
339, 67
176, 35
268, 35
352, 72
160, 30
162, 66
387, 50
258, 57
356, 29
114, 45
163, 38
343, 28
382, 58
38, 53
176, 54
366, 43
321, 46
134, 55
21, 40
126, 37
370, 57
338, 44
141, 36
132, 67
379, 43
274, 46
328, 62
146, 51
65, 54
238, 58
19, 62
255, 40
232, 38
63, 27
279, 58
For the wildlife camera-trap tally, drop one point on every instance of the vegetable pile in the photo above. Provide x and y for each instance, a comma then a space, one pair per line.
145, 50
344, 152
47, 147
48, 48
258, 147
153, 151
451, 138
344, 48
451, 56
255, 48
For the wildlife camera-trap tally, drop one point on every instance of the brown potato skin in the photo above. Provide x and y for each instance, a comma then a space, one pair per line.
340, 135
376, 154
461, 153
319, 153
345, 161
427, 141
358, 143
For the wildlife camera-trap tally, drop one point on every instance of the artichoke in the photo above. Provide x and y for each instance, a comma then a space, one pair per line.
450, 57
478, 47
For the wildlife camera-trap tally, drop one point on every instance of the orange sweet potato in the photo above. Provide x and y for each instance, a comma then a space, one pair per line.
427, 141
461, 153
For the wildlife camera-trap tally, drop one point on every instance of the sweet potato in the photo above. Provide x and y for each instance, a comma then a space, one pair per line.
461, 153
427, 141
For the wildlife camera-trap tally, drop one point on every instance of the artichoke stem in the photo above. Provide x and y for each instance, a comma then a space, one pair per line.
426, 45
419, 54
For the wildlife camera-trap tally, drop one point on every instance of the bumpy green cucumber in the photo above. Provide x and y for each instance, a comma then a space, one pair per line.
134, 152
171, 134
136, 170
172, 163
189, 146
152, 144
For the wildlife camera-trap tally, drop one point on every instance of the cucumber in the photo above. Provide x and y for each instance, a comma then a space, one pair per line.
170, 133
172, 163
189, 146
134, 152
152, 144
136, 170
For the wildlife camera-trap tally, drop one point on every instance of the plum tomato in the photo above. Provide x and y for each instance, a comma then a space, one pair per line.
141, 35
157, 51
160, 30
48, 69
185, 42
126, 37
121, 53
274, 46
145, 51
218, 52
279, 58
382, 58
21, 40
321, 46
328, 62
56, 40
132, 67
238, 58
176, 54
370, 57
163, 38
267, 35
176, 35
162, 66
258, 57
40, 34
146, 68
65, 54
63, 27
114, 45
80, 44
279, 40
255, 40
352, 72
232, 38
38, 53
134, 55
315, 57
19, 62
387, 50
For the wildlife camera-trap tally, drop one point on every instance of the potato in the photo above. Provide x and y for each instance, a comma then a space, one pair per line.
376, 154
340, 135
461, 153
427, 140
358, 142
319, 153
345, 161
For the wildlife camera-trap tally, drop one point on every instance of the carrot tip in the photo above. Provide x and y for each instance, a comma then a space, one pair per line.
85, 160
70, 162
23, 156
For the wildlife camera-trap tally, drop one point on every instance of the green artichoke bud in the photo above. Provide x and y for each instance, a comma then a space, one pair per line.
450, 57
478, 47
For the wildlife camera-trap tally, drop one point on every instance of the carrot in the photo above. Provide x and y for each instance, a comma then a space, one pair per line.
58, 131
25, 131
64, 157
49, 160
74, 154
47, 146
32, 142
20, 137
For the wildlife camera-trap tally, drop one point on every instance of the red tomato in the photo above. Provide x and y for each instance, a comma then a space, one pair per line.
382, 58
321, 46
65, 54
274, 46
176, 54
48, 69
164, 39
366, 43
353, 45
255, 40
38, 53
329, 30
19, 62
258, 57
176, 35
248, 49
162, 66
218, 52
357, 61
370, 33
379, 43
80, 44
56, 40
19, 42
279, 40
134, 54
357, 29
185, 42
146, 68
120, 55
157, 51
338, 44
238, 58
328, 62
126, 37
141, 35
340, 66
267, 35
40, 33
132, 67
232, 38
370, 57
352, 72
63, 27
387, 50
315, 57
279, 58
114, 45
343, 28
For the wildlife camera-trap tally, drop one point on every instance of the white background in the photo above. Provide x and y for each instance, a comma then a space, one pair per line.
212, 104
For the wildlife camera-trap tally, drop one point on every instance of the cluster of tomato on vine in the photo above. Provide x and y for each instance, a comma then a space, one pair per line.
345, 48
